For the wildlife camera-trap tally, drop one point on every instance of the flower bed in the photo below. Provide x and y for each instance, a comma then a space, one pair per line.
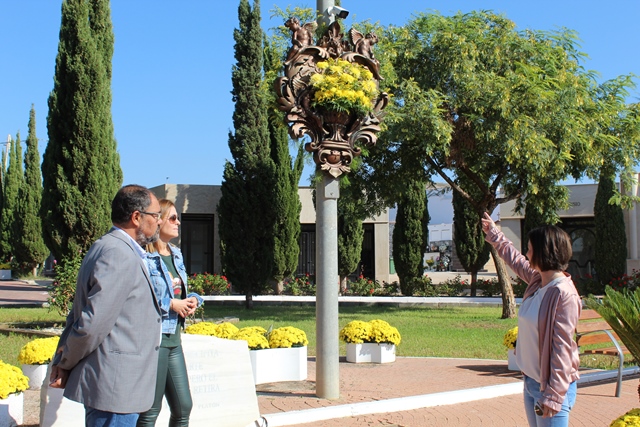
630, 419
276, 355
35, 356
373, 341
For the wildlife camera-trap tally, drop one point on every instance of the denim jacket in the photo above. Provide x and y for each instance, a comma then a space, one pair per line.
163, 288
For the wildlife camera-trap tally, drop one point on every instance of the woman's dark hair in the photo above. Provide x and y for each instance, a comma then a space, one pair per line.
551, 248
129, 199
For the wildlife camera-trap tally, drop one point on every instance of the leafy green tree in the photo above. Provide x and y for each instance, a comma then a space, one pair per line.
504, 108
13, 182
611, 237
471, 248
245, 207
542, 209
29, 247
81, 167
409, 242
614, 132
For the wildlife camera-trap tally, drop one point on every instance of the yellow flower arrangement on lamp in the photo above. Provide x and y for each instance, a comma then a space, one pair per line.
510, 338
630, 419
39, 351
375, 331
12, 380
287, 337
343, 86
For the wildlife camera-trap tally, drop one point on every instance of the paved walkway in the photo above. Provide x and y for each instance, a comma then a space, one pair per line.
410, 392
18, 293
421, 392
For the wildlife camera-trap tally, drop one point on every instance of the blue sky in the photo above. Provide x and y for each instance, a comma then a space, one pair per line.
172, 68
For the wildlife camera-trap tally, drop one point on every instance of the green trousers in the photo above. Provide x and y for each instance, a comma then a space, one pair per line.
173, 383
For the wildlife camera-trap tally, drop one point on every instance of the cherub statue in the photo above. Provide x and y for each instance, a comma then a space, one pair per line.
363, 44
301, 35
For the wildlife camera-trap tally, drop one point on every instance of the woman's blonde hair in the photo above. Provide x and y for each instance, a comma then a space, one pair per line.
165, 207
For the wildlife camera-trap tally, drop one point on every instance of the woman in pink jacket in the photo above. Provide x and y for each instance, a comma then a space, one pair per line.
546, 352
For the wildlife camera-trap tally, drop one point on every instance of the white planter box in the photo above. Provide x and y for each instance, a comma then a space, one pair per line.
371, 353
36, 374
5, 274
512, 365
12, 410
272, 365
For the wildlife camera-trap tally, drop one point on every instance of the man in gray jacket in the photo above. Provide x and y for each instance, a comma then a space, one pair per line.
108, 352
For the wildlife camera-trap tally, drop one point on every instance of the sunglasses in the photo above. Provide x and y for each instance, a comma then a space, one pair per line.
173, 218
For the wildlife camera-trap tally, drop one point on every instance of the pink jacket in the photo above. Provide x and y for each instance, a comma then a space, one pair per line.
557, 321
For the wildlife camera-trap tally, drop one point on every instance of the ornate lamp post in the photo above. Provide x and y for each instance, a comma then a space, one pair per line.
330, 92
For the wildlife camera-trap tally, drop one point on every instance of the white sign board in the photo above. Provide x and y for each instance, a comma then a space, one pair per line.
220, 378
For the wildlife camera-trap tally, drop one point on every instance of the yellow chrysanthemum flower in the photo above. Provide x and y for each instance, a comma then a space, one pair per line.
510, 338
12, 380
202, 328
40, 351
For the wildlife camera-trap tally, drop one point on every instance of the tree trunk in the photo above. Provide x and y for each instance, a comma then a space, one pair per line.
474, 283
248, 300
508, 300
343, 285
277, 286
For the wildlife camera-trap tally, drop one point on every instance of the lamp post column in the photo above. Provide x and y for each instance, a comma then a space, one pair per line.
327, 330
327, 278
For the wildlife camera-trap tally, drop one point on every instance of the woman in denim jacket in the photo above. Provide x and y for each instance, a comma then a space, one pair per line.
546, 352
169, 278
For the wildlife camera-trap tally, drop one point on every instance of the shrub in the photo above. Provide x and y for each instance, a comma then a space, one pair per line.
420, 286
492, 288
299, 285
519, 286
629, 282
489, 287
589, 285
209, 284
63, 288
363, 287
452, 287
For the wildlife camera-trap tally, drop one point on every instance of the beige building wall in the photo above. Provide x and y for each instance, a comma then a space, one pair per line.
581, 201
203, 199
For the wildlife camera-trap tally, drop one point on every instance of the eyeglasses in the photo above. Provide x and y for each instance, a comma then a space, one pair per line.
155, 215
173, 218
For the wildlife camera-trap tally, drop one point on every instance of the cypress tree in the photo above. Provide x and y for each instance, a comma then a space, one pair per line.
12, 183
3, 174
611, 239
29, 247
81, 167
471, 248
350, 232
244, 207
409, 242
285, 200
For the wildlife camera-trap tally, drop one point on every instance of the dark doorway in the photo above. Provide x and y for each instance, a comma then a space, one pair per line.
307, 256
197, 242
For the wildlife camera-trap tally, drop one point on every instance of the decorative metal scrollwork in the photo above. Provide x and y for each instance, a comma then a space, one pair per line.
335, 135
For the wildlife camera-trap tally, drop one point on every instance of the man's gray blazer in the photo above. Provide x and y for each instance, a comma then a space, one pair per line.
112, 335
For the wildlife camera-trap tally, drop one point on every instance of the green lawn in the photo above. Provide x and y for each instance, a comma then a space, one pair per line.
469, 332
